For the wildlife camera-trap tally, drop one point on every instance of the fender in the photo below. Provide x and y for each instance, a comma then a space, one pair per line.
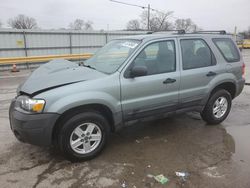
84, 98
218, 80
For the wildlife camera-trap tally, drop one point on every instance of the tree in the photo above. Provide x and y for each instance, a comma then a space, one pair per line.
22, 22
186, 24
133, 25
80, 24
77, 24
88, 26
0, 24
159, 21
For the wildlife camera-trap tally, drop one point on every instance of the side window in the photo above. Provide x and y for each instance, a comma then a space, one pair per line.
228, 49
151, 51
158, 57
196, 54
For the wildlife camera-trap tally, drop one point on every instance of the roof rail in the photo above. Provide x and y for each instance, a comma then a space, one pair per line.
222, 32
179, 31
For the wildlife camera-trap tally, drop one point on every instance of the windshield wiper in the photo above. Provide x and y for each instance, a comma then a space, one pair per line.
89, 67
81, 64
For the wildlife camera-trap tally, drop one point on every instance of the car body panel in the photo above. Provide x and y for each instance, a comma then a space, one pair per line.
63, 98
55, 73
147, 95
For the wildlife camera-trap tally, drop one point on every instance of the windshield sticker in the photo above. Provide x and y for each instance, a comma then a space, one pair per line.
129, 44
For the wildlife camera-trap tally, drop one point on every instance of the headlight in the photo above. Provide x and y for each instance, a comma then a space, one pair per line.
29, 104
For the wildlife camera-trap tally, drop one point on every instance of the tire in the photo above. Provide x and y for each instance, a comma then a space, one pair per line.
74, 132
209, 113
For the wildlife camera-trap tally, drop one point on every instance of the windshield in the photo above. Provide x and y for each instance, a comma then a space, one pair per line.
110, 57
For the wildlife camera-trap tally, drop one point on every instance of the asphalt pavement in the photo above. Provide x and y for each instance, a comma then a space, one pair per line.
213, 156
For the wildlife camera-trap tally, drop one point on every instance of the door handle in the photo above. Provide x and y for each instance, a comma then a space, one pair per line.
211, 73
169, 81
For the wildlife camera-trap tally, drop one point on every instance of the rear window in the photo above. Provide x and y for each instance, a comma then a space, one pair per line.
227, 49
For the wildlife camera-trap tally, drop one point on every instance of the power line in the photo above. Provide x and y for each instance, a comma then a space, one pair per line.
134, 5
143, 7
129, 4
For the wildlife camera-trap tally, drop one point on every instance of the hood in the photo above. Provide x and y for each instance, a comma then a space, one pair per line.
57, 73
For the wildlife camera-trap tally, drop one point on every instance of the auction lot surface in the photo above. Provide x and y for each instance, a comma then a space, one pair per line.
214, 156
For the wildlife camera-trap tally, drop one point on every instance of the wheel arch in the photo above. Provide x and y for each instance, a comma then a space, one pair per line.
228, 86
99, 108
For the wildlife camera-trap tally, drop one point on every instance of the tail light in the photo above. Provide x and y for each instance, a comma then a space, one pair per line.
243, 70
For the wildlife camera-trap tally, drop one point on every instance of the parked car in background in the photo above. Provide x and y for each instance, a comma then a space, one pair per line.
136, 78
246, 43
243, 44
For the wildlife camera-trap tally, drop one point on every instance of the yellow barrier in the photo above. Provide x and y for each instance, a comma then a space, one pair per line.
34, 59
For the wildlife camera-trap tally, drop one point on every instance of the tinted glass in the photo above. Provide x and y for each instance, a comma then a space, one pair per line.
227, 49
158, 57
196, 54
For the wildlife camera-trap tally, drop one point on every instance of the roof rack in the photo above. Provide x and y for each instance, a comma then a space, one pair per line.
222, 32
179, 31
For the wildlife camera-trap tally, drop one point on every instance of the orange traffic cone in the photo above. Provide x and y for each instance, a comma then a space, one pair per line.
14, 68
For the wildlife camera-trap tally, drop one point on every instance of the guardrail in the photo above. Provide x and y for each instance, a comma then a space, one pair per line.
36, 59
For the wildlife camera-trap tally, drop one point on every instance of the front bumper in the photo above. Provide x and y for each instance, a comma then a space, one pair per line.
32, 128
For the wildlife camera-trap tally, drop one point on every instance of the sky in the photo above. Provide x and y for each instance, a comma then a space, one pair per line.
54, 14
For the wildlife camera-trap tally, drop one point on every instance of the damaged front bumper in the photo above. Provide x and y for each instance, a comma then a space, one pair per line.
32, 128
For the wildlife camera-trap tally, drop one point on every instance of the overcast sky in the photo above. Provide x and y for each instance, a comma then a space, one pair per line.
208, 14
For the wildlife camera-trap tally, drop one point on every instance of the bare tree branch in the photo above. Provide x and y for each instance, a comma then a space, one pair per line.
159, 21
163, 23
80, 24
22, 22
88, 26
77, 24
186, 24
133, 25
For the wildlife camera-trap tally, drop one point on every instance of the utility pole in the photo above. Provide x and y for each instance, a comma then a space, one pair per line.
235, 33
148, 16
143, 7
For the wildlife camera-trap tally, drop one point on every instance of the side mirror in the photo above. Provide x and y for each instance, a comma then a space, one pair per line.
138, 71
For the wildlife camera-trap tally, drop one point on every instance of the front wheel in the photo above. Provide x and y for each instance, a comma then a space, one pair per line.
217, 107
83, 136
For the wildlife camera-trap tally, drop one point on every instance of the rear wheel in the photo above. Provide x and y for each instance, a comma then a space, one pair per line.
217, 107
83, 136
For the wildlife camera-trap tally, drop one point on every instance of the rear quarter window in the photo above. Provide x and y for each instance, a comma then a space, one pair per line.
228, 49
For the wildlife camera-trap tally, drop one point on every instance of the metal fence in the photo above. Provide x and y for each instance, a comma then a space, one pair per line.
24, 43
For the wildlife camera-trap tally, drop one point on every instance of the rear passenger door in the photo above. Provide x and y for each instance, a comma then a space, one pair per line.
198, 68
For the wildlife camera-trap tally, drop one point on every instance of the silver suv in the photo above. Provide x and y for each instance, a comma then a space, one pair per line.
137, 78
